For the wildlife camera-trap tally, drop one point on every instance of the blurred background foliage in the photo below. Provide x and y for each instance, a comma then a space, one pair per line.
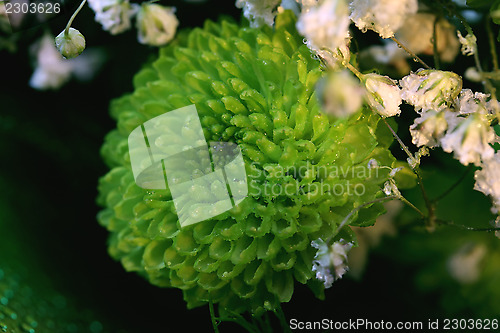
56, 275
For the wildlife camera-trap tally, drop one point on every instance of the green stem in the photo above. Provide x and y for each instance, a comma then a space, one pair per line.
405, 201
413, 55
452, 187
464, 227
70, 22
491, 39
281, 316
431, 219
212, 316
401, 143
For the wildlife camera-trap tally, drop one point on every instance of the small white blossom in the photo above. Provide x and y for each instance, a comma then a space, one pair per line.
259, 12
382, 16
418, 31
469, 46
431, 126
464, 265
52, 70
395, 171
325, 26
383, 95
488, 180
373, 164
114, 15
340, 94
330, 262
473, 75
430, 89
156, 24
470, 102
470, 140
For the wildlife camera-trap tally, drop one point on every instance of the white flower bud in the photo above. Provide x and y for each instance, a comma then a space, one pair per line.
156, 24
330, 262
430, 89
431, 126
70, 44
472, 74
470, 140
383, 95
488, 180
469, 45
340, 94
382, 16
325, 25
114, 15
259, 12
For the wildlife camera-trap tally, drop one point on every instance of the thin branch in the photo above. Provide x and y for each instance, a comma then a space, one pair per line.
464, 227
452, 187
70, 22
491, 39
413, 55
212, 316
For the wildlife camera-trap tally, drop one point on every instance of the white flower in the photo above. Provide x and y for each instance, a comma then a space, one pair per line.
430, 89
417, 33
470, 102
340, 94
52, 70
330, 262
470, 140
383, 95
463, 266
259, 12
114, 15
431, 126
469, 46
472, 74
325, 25
70, 45
382, 16
488, 180
156, 24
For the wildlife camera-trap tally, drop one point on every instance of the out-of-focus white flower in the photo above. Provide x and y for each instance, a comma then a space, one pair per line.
472, 74
52, 70
430, 89
259, 12
469, 45
488, 180
470, 140
114, 15
383, 94
330, 262
325, 25
463, 266
70, 45
497, 225
431, 126
418, 31
156, 24
382, 16
340, 94
470, 102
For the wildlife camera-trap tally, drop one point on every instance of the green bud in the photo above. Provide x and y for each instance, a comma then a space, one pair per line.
70, 44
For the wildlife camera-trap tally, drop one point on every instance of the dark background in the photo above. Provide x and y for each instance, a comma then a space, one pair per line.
50, 163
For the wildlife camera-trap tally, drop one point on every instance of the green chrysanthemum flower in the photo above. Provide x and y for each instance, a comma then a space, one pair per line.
254, 87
